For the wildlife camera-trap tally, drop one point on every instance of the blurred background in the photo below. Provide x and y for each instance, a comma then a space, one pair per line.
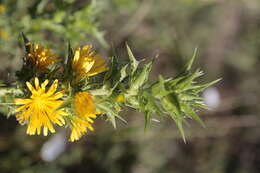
227, 34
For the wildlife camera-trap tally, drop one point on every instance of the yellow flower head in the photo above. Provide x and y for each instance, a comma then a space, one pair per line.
86, 63
40, 110
120, 98
40, 57
85, 110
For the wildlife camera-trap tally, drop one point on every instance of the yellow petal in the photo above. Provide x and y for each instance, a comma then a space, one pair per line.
30, 87
22, 101
36, 83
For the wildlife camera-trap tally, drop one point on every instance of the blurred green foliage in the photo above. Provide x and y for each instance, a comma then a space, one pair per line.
61, 21
226, 33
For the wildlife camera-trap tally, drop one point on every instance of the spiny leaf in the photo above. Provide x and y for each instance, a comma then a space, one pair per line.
111, 110
151, 104
171, 83
133, 62
189, 97
26, 41
108, 87
69, 58
148, 105
112, 119
159, 89
123, 73
140, 79
104, 91
174, 100
180, 128
147, 120
113, 70
187, 81
190, 62
204, 86
178, 121
190, 112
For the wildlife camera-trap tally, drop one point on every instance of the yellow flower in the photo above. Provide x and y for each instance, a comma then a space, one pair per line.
40, 110
85, 110
86, 63
120, 98
40, 57
79, 128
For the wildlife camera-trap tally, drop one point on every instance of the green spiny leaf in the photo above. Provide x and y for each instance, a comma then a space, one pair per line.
110, 109
189, 97
113, 70
180, 128
26, 41
190, 62
159, 89
112, 119
190, 112
204, 86
140, 79
187, 81
123, 73
133, 62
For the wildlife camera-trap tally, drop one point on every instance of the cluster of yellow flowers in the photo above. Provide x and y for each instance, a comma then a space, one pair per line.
43, 108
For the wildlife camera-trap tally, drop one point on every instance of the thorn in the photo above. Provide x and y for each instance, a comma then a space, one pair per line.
25, 39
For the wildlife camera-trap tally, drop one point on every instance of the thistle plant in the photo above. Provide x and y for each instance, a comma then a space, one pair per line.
73, 91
